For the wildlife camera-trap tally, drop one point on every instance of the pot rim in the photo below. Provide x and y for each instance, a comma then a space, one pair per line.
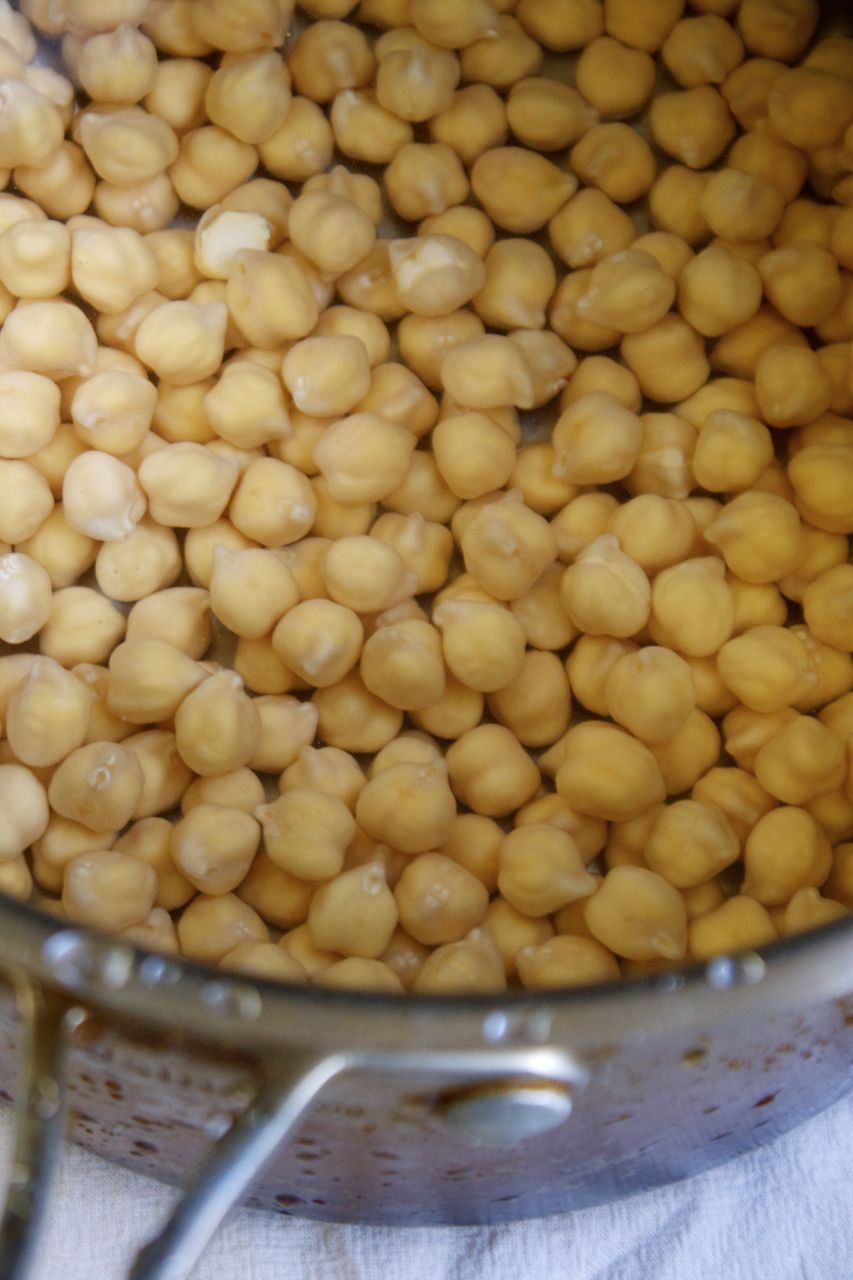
170, 995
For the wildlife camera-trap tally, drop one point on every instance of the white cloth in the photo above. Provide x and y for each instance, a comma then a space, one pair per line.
784, 1212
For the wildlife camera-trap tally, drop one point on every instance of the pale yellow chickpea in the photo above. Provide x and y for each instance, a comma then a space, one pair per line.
210, 162
541, 869
261, 669
213, 925
335, 519
767, 667
327, 376
732, 451
63, 552
102, 497
417, 82
506, 546
693, 606
98, 785
457, 711
615, 159
126, 146
146, 560
792, 385
475, 456
265, 960
172, 500
249, 96
326, 769
670, 251
438, 900
512, 932
273, 503
50, 337
149, 678
25, 811
675, 203
483, 644
519, 283
821, 551
343, 321
330, 56
199, 545
364, 458
302, 145
278, 897
425, 341
320, 641
694, 126
474, 120
536, 703
655, 531
269, 199
251, 590
408, 805
257, 23
739, 924
365, 574
737, 793
607, 773
112, 411
64, 186
355, 913
718, 291
165, 777
217, 726
474, 842
473, 965
650, 693
425, 178
605, 592
83, 626
35, 258
581, 521
463, 222
271, 299
563, 25
306, 833
32, 124
177, 92
424, 546
589, 227
108, 890
239, 789
540, 612
182, 342
246, 406
804, 760
808, 909
332, 231
519, 190
602, 373
785, 851
627, 291
365, 130
435, 274
766, 157
738, 352
25, 501
669, 359
565, 961
222, 234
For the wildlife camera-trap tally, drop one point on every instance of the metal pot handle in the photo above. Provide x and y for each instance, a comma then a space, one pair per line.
512, 1109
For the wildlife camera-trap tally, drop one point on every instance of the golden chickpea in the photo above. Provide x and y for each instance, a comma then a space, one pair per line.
425, 178
540, 612
536, 703
319, 640
581, 521
271, 299
277, 896
802, 761
306, 833
63, 187
213, 846
490, 772
738, 924
669, 359
785, 851
693, 606
502, 58
504, 179
109, 890
589, 227
650, 693
827, 607
690, 842
213, 925
541, 869
596, 440
616, 160
746, 731
453, 26
545, 114
417, 83
507, 547
802, 281
758, 535
475, 456
273, 503
435, 274
675, 203
474, 841
562, 25
639, 915
732, 451
702, 50
607, 773
355, 913
483, 644
327, 57
457, 711
565, 962
694, 126
250, 96
303, 144
792, 385
605, 592
717, 291
326, 769
768, 668
363, 128
438, 900
615, 79
98, 785
821, 476
777, 30
210, 163
465, 223
473, 965
737, 793
512, 932
402, 663
364, 458
332, 231
426, 341
32, 126
256, 22
25, 811
807, 910
217, 726
601, 373
627, 291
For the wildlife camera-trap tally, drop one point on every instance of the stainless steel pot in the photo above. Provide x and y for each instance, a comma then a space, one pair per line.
403, 1109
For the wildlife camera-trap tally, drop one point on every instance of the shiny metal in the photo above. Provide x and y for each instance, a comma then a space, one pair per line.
38, 1126
504, 1114
288, 1091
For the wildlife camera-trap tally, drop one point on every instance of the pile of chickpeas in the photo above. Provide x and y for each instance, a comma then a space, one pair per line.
316, 665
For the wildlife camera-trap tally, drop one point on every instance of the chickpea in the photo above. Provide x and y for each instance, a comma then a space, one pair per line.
364, 458
276, 895
694, 126
758, 535
306, 833
25, 597
702, 50
251, 590
177, 92
615, 79
326, 769
34, 258
471, 965
545, 114
827, 606
465, 223
424, 546
355, 913
164, 775
261, 669
49, 337
804, 760
606, 773
435, 274
737, 793
32, 125
562, 25
690, 842
302, 145
589, 227
239, 789
417, 83
365, 130
792, 385
98, 785
663, 465
768, 668
210, 163
536, 703
472, 121
213, 925
63, 187
668, 360
605, 592
64, 553
250, 97
693, 605
438, 900
82, 626
345, 321
320, 641
738, 924
732, 451
474, 842
217, 726
650, 693
490, 772
267, 198
512, 932
820, 475
257, 22
565, 962
332, 231
365, 574
601, 373
273, 503
541, 869
330, 56
675, 203
785, 851
402, 663
457, 711
271, 299
503, 180
149, 678
25, 501
502, 58
737, 353
639, 915
409, 806
717, 292
802, 282
540, 612
627, 291
807, 910
335, 519
25, 811
109, 890
616, 160
475, 456
507, 547
425, 178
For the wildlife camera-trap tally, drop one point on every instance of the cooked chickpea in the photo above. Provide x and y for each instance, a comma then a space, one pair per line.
425, 178
758, 535
50, 337
302, 145
98, 785
607, 773
768, 668
503, 57
589, 227
472, 965
251, 590
507, 547
541, 869
732, 451
424, 546
827, 606
639, 915
804, 760
605, 592
108, 890
802, 281
273, 503
473, 121
25, 811
112, 411
675, 204
668, 359
210, 163
63, 187
63, 552
250, 96
35, 258
785, 851
792, 385
565, 962
627, 291
718, 291
490, 772
615, 79
417, 83
320, 641
518, 284
614, 158
693, 126
355, 914
306, 833
650, 693
438, 900
364, 458
25, 501
739, 924
213, 925
217, 726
